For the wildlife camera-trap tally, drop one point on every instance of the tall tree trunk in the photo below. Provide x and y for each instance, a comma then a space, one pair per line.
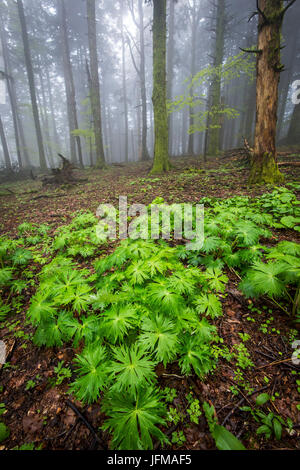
264, 167
293, 136
95, 86
5, 147
170, 67
145, 154
124, 86
46, 121
161, 148
30, 75
56, 136
214, 131
193, 71
11, 93
70, 88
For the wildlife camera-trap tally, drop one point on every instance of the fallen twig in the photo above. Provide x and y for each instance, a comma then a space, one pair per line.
87, 424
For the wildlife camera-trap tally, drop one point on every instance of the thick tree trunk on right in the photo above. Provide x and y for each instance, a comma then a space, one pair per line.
161, 146
95, 86
30, 74
264, 167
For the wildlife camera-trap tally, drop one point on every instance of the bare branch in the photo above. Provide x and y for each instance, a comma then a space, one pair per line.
132, 58
261, 12
253, 51
287, 7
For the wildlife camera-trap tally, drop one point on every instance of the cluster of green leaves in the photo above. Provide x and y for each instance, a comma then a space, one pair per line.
234, 231
78, 238
270, 424
13, 260
240, 65
140, 308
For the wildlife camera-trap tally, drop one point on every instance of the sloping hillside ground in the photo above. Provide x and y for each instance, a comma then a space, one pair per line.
252, 357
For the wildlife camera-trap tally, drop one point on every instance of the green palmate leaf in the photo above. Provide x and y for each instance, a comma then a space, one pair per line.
205, 331
160, 295
159, 336
21, 257
209, 304
181, 283
247, 233
92, 368
195, 355
116, 322
211, 244
49, 333
132, 368
133, 419
263, 279
216, 279
87, 330
41, 308
137, 272
5, 276
82, 298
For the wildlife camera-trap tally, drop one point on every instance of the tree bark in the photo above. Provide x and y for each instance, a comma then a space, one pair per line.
95, 86
264, 168
5, 147
70, 88
293, 137
28, 63
124, 85
161, 148
194, 23
170, 67
215, 93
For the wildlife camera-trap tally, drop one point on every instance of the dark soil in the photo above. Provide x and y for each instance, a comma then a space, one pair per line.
43, 414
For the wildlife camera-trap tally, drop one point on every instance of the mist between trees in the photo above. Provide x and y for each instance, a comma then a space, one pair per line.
123, 81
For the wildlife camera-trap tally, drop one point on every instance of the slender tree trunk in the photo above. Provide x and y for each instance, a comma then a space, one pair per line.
46, 122
95, 86
70, 88
30, 74
214, 131
11, 93
56, 136
193, 71
161, 148
293, 136
5, 147
145, 154
170, 66
264, 167
124, 86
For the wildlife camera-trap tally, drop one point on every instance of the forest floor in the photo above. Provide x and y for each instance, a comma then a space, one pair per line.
41, 414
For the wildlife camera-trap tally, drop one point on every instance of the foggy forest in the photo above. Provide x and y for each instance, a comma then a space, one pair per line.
149, 227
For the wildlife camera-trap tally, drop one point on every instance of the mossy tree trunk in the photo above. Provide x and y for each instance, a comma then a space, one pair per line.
161, 153
215, 92
264, 168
